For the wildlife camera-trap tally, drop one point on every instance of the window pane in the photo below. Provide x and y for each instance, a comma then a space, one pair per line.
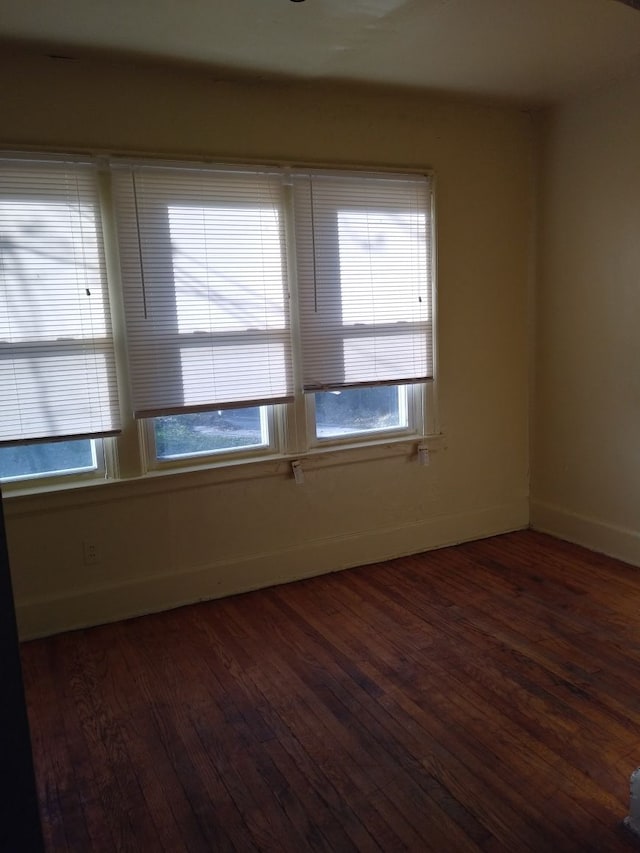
57, 373
210, 432
363, 253
383, 267
51, 272
360, 410
206, 293
47, 459
227, 268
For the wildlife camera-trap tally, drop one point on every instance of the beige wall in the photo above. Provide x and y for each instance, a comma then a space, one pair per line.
168, 540
586, 484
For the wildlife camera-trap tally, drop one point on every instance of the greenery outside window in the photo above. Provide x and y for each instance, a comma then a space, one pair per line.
363, 412
217, 432
38, 460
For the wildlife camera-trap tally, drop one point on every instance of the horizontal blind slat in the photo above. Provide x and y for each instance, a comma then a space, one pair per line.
57, 365
364, 270
205, 287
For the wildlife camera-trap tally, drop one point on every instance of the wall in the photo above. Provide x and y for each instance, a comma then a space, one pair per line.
586, 484
172, 539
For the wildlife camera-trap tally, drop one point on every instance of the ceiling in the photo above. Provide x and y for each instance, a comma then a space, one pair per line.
530, 51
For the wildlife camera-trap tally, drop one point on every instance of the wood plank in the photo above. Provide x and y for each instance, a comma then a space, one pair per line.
484, 697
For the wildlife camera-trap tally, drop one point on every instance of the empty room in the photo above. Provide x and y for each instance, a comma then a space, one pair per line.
318, 424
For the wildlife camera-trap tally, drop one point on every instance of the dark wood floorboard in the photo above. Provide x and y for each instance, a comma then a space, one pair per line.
478, 698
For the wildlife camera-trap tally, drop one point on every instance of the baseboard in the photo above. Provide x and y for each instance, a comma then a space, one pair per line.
91, 606
593, 533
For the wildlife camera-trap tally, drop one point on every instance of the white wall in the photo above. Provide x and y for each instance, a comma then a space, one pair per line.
168, 540
586, 461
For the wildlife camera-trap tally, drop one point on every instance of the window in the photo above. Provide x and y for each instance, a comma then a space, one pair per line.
210, 320
264, 311
363, 252
50, 459
360, 411
208, 433
364, 282
57, 367
205, 288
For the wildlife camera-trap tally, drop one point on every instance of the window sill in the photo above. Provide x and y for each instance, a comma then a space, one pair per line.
27, 500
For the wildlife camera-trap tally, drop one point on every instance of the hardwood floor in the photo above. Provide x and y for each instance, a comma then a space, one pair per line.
482, 697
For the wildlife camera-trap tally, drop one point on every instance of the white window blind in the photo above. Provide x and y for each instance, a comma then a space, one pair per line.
205, 287
57, 370
363, 246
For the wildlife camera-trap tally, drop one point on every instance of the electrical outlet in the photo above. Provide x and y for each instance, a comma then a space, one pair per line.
90, 552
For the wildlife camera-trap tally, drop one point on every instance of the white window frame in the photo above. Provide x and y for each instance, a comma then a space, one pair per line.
323, 225
291, 426
174, 343
269, 423
415, 397
102, 445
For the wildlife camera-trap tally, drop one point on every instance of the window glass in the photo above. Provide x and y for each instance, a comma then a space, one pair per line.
227, 268
51, 272
178, 436
47, 459
383, 267
354, 411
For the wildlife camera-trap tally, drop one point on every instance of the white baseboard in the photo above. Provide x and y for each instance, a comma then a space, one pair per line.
50, 615
593, 533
